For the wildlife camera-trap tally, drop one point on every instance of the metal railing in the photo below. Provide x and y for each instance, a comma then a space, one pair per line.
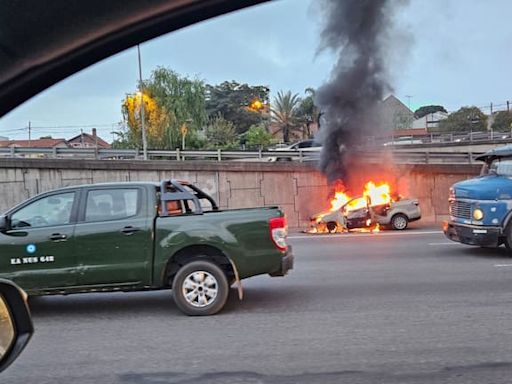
413, 156
442, 138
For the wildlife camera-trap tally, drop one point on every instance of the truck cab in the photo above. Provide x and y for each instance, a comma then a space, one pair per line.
481, 208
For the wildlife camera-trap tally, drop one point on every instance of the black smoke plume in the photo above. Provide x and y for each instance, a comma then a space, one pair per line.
357, 31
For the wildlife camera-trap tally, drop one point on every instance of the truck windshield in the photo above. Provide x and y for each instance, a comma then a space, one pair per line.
501, 167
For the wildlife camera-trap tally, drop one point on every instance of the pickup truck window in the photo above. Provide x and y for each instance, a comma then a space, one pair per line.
48, 211
111, 204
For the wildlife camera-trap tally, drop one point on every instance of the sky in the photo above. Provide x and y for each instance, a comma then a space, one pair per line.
446, 52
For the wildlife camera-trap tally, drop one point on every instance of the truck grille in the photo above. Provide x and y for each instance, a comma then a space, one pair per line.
460, 209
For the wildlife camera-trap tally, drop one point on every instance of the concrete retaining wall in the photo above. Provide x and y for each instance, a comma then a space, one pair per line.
299, 189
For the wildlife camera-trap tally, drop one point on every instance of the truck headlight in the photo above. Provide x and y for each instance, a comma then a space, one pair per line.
478, 214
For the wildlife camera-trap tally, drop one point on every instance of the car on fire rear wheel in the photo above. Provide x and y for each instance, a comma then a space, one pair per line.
200, 288
399, 222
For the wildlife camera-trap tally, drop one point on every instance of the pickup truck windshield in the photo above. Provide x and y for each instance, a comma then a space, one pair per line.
501, 167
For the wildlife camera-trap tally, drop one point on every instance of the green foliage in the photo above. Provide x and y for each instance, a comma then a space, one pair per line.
258, 136
170, 100
427, 110
466, 119
183, 99
502, 121
220, 133
232, 100
285, 114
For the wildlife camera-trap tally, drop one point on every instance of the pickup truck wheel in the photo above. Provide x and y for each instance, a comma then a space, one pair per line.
200, 288
399, 222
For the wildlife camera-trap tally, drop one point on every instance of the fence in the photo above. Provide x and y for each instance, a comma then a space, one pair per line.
413, 156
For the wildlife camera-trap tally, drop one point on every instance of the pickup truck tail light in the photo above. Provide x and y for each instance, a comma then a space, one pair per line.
278, 232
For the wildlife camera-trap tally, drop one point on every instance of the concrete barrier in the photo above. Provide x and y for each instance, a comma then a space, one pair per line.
298, 188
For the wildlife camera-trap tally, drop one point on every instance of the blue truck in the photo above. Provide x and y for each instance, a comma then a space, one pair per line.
481, 208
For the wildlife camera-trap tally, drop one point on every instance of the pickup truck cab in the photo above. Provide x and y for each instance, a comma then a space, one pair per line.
140, 236
481, 208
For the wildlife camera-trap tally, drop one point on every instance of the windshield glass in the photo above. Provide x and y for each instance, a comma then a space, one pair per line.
501, 167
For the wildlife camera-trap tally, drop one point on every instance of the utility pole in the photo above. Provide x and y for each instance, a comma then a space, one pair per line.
29, 134
142, 123
409, 97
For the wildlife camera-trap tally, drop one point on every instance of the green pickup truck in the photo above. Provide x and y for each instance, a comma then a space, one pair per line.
140, 236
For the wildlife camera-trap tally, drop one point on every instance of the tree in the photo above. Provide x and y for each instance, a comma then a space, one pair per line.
427, 110
466, 119
308, 112
258, 136
170, 101
221, 133
183, 99
156, 121
285, 113
241, 104
502, 121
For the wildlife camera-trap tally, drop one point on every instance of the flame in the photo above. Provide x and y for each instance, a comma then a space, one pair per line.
339, 200
373, 195
378, 194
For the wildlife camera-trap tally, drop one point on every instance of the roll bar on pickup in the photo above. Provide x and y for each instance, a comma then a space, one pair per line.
174, 190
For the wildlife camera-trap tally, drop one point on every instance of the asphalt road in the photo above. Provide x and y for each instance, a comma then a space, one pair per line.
392, 307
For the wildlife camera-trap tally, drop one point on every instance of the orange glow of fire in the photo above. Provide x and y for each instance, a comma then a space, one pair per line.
373, 195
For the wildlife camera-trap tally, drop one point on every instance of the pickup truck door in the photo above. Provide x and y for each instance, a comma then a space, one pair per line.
37, 252
113, 237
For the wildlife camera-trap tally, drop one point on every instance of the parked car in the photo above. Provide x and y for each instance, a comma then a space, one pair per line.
307, 147
404, 140
112, 237
395, 215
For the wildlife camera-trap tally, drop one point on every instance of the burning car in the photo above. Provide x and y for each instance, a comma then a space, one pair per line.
377, 207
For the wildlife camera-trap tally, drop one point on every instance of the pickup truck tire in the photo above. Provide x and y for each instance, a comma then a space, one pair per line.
200, 288
399, 222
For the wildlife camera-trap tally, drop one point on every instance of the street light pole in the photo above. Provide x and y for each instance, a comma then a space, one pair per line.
142, 117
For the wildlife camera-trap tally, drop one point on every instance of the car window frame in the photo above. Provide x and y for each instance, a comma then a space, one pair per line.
83, 204
72, 218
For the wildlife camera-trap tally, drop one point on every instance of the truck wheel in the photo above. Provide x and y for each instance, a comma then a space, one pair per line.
508, 239
200, 288
399, 222
332, 227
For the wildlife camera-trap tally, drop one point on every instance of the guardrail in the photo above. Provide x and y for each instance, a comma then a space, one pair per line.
443, 138
400, 157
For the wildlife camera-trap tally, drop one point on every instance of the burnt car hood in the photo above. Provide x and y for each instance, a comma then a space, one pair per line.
43, 42
484, 188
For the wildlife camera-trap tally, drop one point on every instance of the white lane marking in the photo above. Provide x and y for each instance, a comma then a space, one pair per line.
502, 265
356, 235
446, 243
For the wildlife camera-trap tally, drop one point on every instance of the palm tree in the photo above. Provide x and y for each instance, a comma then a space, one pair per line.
285, 113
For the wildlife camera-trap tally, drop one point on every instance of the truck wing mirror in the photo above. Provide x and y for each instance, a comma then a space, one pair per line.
15, 322
3, 223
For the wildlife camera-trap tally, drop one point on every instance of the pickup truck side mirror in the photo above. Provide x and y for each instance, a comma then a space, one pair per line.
15, 322
3, 223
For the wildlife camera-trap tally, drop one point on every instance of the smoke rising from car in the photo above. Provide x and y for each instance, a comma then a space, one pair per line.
358, 32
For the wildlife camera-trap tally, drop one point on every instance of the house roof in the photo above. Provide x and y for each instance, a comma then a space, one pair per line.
37, 143
101, 143
393, 102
